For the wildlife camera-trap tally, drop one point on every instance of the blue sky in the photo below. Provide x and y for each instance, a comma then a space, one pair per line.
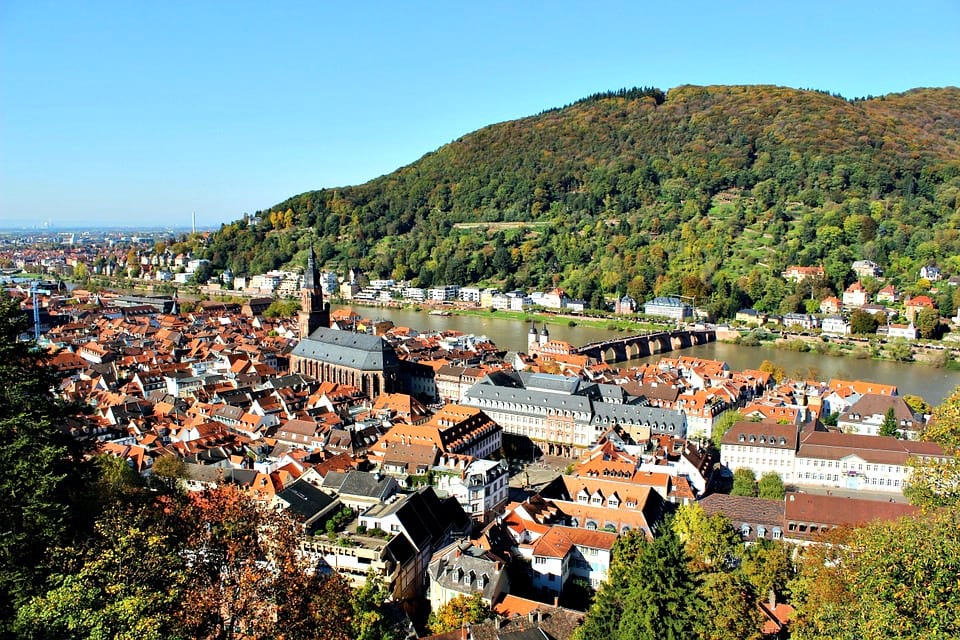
144, 112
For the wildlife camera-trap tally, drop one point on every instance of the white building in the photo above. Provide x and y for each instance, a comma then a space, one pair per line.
470, 294
563, 553
835, 325
802, 320
867, 415
848, 461
761, 447
668, 307
905, 331
265, 282
329, 283
416, 294
824, 458
480, 488
443, 293
565, 415
856, 295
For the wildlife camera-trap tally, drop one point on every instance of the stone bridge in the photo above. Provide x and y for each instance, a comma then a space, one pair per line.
647, 344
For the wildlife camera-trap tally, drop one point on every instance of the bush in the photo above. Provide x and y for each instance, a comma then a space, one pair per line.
749, 340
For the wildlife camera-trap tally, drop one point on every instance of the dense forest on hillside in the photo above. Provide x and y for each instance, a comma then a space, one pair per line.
704, 191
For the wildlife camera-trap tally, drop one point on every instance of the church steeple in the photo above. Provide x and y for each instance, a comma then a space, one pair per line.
314, 312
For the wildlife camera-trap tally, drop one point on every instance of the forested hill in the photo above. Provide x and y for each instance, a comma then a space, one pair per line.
709, 191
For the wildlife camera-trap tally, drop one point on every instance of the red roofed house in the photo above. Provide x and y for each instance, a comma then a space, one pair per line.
808, 516
914, 305
565, 552
856, 295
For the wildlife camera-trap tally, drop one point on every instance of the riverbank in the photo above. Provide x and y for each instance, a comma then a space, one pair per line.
609, 323
939, 355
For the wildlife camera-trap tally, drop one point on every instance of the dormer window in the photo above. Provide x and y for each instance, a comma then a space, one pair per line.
753, 438
743, 437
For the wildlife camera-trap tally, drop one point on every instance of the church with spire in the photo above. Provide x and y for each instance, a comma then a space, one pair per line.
314, 312
363, 361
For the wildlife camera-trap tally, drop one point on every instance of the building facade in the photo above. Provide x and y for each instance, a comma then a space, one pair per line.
366, 362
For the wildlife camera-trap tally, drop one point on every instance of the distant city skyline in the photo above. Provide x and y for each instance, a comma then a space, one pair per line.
134, 114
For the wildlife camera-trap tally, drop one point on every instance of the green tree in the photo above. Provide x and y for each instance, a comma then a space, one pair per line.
282, 309
889, 425
862, 322
658, 605
202, 274
124, 582
648, 592
744, 483
857, 588
928, 324
771, 486
767, 566
43, 480
730, 609
459, 611
917, 404
934, 482
81, 272
944, 426
775, 370
900, 350
368, 621
724, 423
168, 471
709, 541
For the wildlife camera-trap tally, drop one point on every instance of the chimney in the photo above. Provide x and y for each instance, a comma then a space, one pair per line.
772, 599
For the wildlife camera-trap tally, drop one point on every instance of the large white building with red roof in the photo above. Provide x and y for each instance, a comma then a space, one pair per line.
824, 458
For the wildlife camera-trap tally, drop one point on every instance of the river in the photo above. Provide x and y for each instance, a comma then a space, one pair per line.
932, 384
